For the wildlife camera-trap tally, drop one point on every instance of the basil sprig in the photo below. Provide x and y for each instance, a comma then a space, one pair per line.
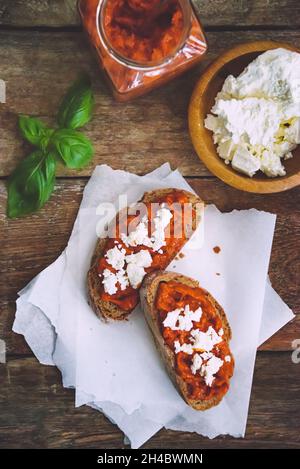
73, 147
34, 131
32, 182
77, 106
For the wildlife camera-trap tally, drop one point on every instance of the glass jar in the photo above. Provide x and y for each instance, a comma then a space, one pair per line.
133, 72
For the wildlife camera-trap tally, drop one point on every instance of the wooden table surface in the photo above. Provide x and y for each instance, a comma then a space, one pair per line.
42, 48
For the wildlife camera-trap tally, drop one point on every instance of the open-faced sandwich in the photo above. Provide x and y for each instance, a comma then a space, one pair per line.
192, 334
143, 238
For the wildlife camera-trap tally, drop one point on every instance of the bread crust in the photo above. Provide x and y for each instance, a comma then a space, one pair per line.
106, 309
148, 293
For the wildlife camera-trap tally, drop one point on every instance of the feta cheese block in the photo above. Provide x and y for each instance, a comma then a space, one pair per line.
256, 116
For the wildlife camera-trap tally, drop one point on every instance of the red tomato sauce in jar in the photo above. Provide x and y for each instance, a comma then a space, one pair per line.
143, 31
128, 298
145, 48
172, 295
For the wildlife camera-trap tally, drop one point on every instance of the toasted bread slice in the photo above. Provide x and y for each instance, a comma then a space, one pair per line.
148, 294
107, 309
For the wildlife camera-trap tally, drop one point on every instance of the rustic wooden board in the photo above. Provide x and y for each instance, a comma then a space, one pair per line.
38, 412
63, 13
32, 243
137, 136
37, 64
14, 343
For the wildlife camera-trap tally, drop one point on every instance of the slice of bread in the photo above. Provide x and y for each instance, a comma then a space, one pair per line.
148, 294
107, 309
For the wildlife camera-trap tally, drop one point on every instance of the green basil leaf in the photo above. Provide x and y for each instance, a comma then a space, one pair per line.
46, 139
31, 184
77, 106
73, 147
34, 131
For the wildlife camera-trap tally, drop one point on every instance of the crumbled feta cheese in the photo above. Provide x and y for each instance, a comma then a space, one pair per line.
210, 368
256, 119
110, 282
282, 148
131, 268
288, 155
271, 164
111, 279
172, 319
136, 264
122, 279
182, 319
292, 133
208, 365
213, 123
206, 355
135, 275
116, 257
205, 341
273, 74
226, 150
137, 237
186, 348
161, 221
245, 162
142, 258
197, 362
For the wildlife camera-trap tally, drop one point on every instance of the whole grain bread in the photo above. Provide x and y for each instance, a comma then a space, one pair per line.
148, 293
106, 309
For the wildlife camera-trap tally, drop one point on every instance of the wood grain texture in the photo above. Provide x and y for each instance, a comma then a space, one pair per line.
44, 235
137, 136
221, 13
37, 412
37, 65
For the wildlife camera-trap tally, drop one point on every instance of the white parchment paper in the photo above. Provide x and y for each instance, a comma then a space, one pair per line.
115, 367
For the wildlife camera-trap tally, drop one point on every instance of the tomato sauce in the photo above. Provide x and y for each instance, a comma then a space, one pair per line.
174, 295
170, 40
144, 31
127, 299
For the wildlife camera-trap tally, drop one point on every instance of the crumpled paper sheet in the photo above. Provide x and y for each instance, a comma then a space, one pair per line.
115, 367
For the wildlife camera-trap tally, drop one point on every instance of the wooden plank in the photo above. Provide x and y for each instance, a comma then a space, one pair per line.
36, 412
63, 13
44, 235
137, 136
15, 344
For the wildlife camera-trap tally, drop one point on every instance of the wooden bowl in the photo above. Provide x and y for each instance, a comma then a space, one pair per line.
233, 62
